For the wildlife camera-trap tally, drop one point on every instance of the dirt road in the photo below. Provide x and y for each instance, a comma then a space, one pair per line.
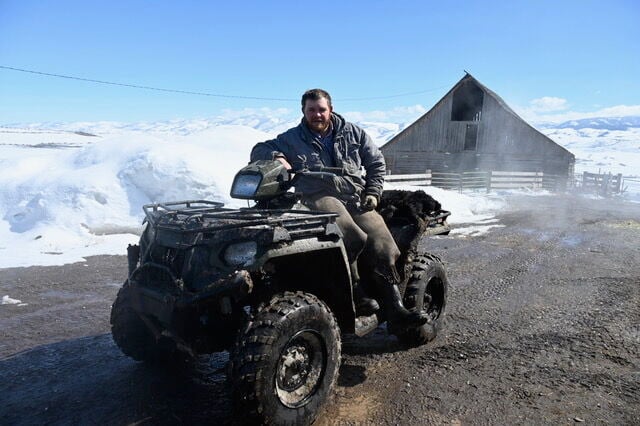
543, 328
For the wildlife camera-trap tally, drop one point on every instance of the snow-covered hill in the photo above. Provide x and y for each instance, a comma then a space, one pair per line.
69, 190
601, 144
271, 123
605, 144
608, 123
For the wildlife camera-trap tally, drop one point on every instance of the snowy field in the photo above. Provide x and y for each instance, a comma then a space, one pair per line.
73, 190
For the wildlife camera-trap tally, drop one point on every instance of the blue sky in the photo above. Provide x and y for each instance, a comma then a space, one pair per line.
542, 57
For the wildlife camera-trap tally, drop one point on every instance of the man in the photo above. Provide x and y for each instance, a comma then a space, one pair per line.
324, 138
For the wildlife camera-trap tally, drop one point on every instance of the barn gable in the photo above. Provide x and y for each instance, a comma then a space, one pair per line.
472, 129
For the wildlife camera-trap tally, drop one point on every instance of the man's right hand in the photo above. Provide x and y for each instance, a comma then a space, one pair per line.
369, 203
284, 162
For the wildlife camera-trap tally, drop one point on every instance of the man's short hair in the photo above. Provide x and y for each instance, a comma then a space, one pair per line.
314, 95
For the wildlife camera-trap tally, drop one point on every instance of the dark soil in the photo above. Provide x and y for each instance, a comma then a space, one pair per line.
543, 328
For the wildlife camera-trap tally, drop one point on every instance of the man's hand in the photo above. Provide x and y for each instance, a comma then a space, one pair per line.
284, 162
369, 203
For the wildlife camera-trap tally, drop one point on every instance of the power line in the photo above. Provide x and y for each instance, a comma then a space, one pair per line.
214, 95
137, 86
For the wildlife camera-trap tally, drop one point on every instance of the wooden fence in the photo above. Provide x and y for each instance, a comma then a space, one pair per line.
604, 184
601, 183
423, 179
494, 180
631, 184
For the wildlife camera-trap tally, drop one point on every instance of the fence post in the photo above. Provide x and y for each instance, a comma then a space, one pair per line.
619, 189
488, 181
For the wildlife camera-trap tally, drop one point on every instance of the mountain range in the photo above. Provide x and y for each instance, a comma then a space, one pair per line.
608, 123
277, 123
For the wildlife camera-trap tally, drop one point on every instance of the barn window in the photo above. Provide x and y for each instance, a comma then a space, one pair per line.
471, 137
467, 103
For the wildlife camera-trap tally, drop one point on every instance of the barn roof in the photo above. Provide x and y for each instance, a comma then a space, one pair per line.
494, 95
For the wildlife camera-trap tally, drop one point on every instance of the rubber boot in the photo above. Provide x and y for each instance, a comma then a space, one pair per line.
397, 314
365, 306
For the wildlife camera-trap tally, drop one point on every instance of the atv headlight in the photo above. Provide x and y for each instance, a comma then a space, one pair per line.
241, 254
261, 180
245, 185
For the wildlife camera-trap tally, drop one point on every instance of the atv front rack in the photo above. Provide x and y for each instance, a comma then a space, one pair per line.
191, 206
195, 216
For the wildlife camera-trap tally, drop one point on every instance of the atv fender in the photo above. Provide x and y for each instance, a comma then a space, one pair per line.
319, 267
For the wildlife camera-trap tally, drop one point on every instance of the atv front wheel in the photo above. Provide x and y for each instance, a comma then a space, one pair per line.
285, 363
134, 338
426, 291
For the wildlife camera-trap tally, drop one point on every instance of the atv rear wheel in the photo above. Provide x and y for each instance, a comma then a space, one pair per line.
285, 364
426, 291
134, 338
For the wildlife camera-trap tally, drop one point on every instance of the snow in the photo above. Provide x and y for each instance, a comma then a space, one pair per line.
600, 150
615, 151
6, 300
58, 205
71, 190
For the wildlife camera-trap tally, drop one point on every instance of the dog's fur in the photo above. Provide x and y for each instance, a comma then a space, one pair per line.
409, 205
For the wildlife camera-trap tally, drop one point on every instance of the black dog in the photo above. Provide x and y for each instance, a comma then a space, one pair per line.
409, 205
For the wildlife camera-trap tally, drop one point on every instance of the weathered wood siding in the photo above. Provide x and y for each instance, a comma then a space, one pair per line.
504, 142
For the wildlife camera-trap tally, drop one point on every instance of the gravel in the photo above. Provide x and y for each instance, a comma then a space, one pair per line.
543, 327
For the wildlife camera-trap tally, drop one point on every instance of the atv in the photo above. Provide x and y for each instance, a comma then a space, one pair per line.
271, 284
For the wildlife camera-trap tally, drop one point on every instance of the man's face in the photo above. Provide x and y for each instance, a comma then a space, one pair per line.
317, 114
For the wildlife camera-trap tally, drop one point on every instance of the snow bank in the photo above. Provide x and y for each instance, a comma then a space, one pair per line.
58, 205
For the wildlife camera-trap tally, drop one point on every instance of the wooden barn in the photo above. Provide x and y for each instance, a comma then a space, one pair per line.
472, 129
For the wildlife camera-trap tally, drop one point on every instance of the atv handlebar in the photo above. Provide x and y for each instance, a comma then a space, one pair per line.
339, 171
319, 170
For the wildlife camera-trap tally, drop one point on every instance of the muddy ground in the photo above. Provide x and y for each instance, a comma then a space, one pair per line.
543, 328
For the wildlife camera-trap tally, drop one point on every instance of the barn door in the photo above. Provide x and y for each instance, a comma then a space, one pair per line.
471, 137
389, 159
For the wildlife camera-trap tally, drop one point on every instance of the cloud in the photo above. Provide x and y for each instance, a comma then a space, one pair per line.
619, 111
548, 104
397, 115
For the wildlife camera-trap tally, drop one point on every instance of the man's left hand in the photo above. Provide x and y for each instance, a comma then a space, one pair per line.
369, 203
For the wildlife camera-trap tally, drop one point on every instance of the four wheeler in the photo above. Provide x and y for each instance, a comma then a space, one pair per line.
271, 284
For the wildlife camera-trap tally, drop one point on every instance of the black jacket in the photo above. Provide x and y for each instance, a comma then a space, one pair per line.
353, 151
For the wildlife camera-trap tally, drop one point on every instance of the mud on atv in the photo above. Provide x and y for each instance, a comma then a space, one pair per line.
271, 284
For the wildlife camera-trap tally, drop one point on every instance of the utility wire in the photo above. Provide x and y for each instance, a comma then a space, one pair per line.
136, 86
214, 95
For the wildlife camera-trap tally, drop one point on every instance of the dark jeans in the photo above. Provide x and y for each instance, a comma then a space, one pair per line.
367, 240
